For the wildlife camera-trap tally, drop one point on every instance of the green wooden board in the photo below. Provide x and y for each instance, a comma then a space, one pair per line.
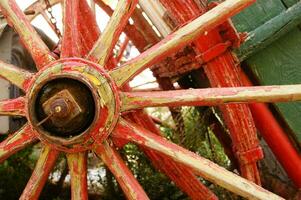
257, 14
289, 3
280, 64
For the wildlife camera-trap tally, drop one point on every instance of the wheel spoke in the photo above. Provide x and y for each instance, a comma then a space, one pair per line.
17, 141
210, 96
15, 75
40, 174
123, 175
178, 39
182, 176
71, 44
13, 107
77, 163
30, 38
80, 29
108, 39
206, 168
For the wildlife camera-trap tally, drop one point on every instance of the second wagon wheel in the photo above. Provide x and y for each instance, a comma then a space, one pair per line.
58, 98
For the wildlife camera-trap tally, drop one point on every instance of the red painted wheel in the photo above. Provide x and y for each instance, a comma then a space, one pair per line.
63, 89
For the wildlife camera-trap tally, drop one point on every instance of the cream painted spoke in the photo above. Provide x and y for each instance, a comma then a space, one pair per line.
210, 96
104, 46
206, 168
15, 75
179, 39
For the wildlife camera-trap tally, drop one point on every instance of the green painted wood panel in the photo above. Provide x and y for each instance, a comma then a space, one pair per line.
289, 3
279, 64
258, 14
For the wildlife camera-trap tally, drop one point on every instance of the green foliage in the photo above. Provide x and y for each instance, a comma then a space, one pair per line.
14, 174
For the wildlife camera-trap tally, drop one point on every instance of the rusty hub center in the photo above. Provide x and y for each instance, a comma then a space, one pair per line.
66, 106
72, 104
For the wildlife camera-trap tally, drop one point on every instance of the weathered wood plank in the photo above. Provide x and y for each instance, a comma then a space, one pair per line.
278, 64
269, 32
289, 3
258, 14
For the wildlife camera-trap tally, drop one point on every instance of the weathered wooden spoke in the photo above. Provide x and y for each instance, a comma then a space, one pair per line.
30, 38
210, 96
123, 175
13, 107
17, 141
77, 163
80, 29
178, 39
15, 75
108, 39
40, 174
71, 44
206, 168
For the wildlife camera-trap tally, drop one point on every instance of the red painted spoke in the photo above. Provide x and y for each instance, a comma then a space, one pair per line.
15, 75
30, 38
13, 107
17, 141
40, 174
123, 175
122, 49
182, 176
80, 29
178, 39
78, 171
108, 39
71, 44
210, 96
206, 168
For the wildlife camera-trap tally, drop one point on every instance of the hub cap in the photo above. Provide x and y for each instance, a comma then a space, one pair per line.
69, 101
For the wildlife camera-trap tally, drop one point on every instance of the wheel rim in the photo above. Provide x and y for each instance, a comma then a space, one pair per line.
109, 129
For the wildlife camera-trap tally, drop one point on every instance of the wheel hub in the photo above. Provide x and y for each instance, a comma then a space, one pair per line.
72, 104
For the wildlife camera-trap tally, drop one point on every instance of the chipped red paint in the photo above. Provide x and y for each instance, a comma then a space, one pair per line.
123, 175
77, 164
17, 141
276, 138
39, 177
210, 96
203, 167
81, 34
183, 177
30, 38
13, 107
80, 29
222, 72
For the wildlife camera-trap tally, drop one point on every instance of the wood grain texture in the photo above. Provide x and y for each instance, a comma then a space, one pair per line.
178, 39
204, 167
16, 142
257, 14
280, 63
129, 184
40, 174
30, 38
77, 164
270, 31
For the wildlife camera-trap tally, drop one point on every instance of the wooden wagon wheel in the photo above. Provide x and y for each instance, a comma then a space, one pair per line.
59, 96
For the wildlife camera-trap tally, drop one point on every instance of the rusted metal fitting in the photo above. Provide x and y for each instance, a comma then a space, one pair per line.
63, 108
66, 105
